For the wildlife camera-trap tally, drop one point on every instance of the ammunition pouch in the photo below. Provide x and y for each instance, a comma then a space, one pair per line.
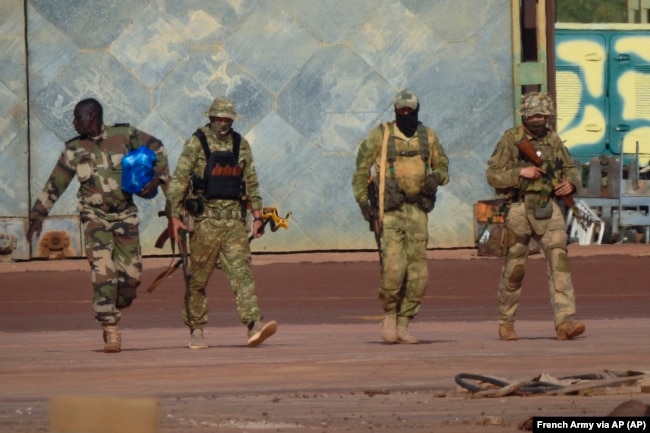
543, 212
393, 195
194, 206
426, 202
427, 197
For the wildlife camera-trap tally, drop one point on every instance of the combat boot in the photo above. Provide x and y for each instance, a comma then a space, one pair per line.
259, 332
507, 332
404, 336
570, 329
112, 339
389, 328
196, 340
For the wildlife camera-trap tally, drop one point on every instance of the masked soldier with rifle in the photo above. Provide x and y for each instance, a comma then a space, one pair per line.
530, 167
398, 169
215, 182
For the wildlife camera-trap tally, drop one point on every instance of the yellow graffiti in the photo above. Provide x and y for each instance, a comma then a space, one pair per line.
642, 136
635, 101
590, 56
639, 45
590, 131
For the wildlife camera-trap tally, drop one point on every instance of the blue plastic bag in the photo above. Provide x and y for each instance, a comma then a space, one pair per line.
137, 170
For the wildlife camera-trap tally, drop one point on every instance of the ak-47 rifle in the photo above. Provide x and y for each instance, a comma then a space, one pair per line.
374, 223
552, 175
183, 261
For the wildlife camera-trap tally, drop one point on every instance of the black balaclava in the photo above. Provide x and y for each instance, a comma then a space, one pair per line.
408, 124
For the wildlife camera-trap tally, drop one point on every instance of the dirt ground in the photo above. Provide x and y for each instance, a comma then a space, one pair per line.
326, 370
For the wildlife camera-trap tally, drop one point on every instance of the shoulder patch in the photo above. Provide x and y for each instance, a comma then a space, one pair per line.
122, 125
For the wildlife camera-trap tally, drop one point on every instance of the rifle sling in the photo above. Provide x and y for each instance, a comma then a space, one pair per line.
167, 272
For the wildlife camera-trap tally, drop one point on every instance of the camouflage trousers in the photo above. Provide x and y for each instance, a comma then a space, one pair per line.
554, 244
403, 246
226, 241
112, 244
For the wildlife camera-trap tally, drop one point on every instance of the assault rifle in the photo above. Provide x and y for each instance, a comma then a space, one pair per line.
375, 224
269, 216
183, 261
552, 177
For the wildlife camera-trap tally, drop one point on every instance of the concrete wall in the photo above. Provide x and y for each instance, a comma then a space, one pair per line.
310, 78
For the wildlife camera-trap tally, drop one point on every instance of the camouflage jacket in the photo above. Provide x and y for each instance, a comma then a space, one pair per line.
506, 161
369, 155
192, 162
97, 165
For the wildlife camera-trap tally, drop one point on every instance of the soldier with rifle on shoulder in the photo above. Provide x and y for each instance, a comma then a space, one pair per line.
530, 167
398, 170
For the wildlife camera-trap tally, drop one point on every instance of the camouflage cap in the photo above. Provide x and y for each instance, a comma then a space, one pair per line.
222, 107
406, 98
536, 103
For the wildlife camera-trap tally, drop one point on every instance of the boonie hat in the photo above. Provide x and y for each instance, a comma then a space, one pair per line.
222, 107
406, 98
536, 103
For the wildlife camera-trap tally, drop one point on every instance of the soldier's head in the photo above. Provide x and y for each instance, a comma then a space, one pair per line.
222, 114
536, 109
88, 117
407, 107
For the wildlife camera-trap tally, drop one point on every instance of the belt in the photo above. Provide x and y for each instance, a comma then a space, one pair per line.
223, 214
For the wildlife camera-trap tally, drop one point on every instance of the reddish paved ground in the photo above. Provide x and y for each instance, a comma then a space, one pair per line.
326, 369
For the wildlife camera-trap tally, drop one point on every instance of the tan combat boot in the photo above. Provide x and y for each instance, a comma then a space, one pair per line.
507, 332
404, 336
112, 339
570, 329
260, 332
196, 340
389, 328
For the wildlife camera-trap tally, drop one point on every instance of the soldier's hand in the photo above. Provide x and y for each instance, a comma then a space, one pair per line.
531, 172
258, 227
173, 226
35, 227
150, 188
564, 188
367, 211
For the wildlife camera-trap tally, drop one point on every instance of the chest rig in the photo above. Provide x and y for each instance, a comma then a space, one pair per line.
222, 176
423, 151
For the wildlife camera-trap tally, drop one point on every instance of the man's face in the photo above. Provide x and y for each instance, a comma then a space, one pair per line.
221, 125
84, 120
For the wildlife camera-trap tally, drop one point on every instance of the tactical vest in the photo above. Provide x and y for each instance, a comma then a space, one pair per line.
222, 177
408, 171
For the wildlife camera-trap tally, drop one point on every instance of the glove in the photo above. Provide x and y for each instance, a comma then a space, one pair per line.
430, 186
368, 212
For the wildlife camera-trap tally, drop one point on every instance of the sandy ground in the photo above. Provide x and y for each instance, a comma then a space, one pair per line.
326, 370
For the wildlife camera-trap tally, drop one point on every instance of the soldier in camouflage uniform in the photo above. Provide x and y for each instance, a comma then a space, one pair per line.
220, 225
414, 164
522, 183
108, 214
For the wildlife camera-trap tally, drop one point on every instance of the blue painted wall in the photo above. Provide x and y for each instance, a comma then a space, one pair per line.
310, 78
603, 88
